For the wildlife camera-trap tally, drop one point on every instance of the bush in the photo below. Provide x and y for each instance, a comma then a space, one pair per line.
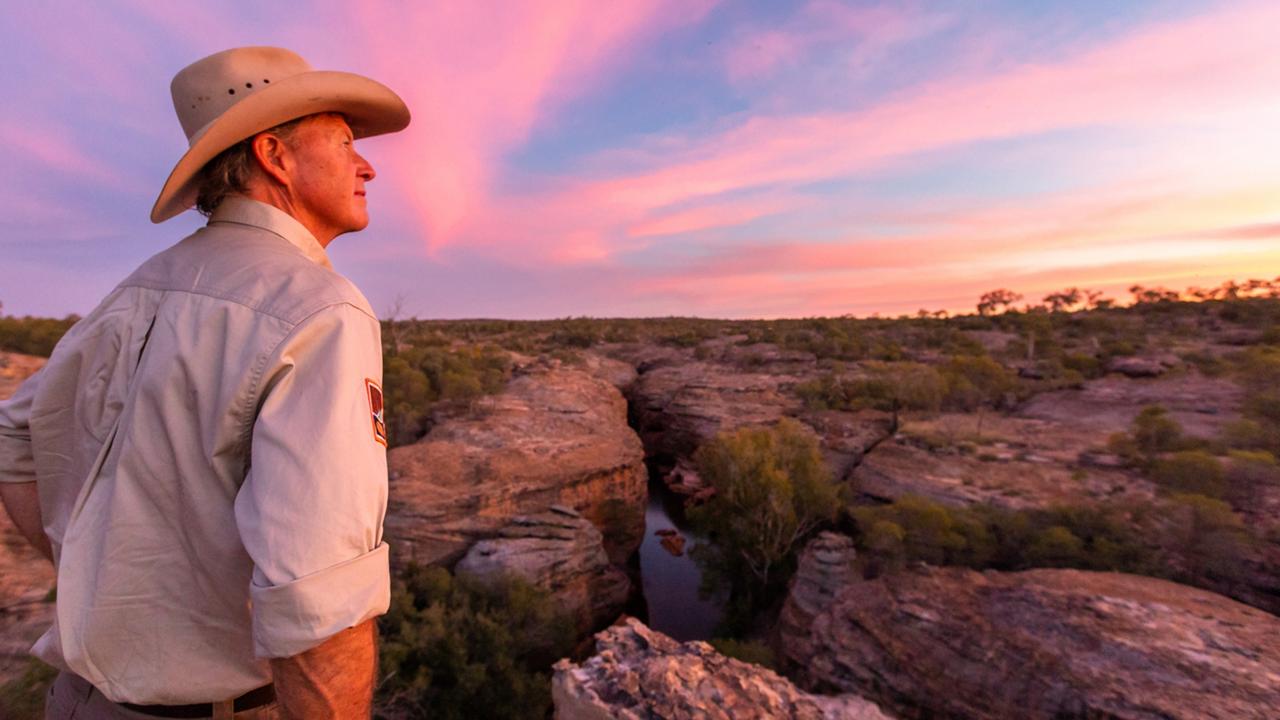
1249, 474
23, 697
1191, 471
1056, 547
1212, 539
33, 335
418, 378
1155, 432
454, 649
972, 381
915, 529
749, 651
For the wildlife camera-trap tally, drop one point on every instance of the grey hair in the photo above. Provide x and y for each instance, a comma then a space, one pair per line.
230, 170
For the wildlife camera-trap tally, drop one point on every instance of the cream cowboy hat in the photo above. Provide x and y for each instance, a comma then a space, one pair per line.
234, 94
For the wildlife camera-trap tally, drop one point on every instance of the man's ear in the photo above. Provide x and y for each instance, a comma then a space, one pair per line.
272, 157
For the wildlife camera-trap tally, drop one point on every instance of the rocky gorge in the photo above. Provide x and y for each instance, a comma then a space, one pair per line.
548, 479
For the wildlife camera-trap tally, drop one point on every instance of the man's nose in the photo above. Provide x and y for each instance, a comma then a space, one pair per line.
363, 169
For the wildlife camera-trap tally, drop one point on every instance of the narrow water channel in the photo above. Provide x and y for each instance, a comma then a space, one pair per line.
670, 582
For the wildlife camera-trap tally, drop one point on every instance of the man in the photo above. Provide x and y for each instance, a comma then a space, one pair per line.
203, 457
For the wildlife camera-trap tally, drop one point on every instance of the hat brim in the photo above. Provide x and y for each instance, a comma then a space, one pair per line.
370, 108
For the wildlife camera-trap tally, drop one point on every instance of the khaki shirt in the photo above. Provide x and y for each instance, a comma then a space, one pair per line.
211, 465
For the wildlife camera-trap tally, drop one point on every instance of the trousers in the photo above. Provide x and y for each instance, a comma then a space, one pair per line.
71, 697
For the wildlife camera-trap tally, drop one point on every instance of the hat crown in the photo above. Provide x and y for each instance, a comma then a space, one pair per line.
207, 88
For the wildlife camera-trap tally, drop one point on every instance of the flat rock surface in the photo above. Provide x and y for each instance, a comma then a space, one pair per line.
953, 642
998, 473
553, 436
638, 673
1202, 405
561, 552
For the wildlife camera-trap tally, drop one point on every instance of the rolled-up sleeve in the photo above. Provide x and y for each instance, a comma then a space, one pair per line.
16, 462
311, 508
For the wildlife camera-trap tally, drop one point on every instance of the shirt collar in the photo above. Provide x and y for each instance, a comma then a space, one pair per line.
245, 211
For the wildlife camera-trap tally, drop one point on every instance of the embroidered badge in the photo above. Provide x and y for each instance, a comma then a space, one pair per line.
376, 410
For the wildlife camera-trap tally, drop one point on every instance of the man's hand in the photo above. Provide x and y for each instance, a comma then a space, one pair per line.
22, 502
335, 679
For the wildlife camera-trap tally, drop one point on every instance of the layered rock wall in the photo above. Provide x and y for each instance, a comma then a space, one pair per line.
555, 436
559, 551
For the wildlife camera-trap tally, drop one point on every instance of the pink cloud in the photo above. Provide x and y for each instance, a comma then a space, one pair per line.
480, 78
52, 148
714, 215
1178, 72
860, 32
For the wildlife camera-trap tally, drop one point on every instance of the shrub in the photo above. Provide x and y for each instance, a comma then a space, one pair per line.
1087, 365
1248, 475
24, 695
1246, 434
915, 529
750, 651
1056, 547
33, 335
1212, 539
453, 649
972, 381
1155, 432
1191, 471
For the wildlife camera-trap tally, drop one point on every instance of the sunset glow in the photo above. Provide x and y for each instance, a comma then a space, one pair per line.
690, 158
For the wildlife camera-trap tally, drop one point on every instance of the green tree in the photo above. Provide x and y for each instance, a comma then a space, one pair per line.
771, 491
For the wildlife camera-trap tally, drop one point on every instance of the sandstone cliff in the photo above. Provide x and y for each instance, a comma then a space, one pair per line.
560, 551
638, 673
1042, 644
554, 436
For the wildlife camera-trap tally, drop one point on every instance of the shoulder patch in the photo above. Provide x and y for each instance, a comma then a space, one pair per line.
376, 411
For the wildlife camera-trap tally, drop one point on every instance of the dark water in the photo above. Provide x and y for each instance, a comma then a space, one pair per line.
670, 584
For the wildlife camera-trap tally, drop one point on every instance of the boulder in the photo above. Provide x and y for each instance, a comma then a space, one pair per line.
559, 551
953, 642
553, 436
1137, 367
638, 673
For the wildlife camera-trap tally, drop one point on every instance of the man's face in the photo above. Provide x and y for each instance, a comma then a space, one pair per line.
328, 177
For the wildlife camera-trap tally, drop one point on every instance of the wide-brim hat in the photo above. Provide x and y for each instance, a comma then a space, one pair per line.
232, 95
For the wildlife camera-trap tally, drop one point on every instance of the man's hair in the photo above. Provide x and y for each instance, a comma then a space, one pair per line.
230, 170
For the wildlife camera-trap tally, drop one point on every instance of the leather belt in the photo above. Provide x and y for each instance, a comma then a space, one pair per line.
247, 701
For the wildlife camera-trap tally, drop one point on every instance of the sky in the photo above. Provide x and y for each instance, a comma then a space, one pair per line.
643, 158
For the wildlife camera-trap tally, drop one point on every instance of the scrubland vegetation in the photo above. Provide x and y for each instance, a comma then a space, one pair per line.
467, 651
458, 650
